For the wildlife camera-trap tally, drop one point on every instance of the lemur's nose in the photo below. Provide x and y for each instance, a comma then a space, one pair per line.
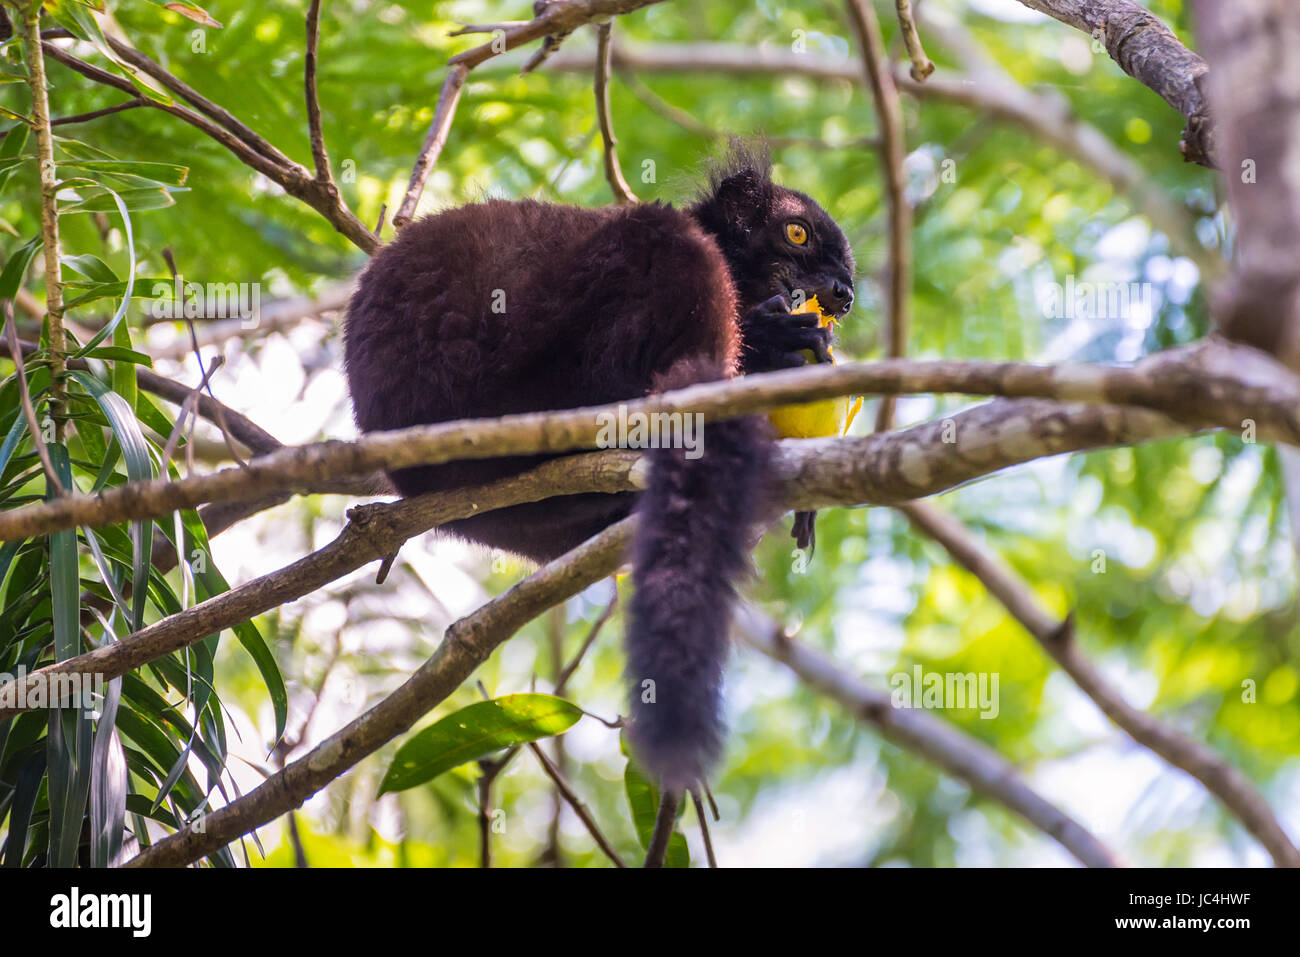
843, 295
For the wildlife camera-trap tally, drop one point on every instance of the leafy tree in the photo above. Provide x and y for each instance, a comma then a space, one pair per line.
184, 195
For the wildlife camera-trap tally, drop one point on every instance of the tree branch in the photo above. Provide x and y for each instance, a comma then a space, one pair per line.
466, 645
964, 757
575, 802
248, 147
1057, 638
319, 155
921, 65
613, 173
1210, 384
1148, 51
46, 169
1255, 92
558, 17
889, 112
1047, 115
373, 533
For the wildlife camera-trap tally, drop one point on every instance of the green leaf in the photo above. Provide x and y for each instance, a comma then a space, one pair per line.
120, 354
189, 10
92, 267
102, 200
11, 155
16, 266
139, 467
20, 815
81, 23
11, 441
166, 174
643, 798
124, 377
476, 731
112, 323
211, 582
108, 783
69, 737
91, 291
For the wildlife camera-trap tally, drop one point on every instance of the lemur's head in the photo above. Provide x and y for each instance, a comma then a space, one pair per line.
776, 240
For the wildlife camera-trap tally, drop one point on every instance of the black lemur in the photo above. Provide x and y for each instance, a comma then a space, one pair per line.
503, 307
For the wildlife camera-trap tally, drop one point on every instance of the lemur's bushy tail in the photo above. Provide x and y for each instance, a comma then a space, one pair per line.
696, 516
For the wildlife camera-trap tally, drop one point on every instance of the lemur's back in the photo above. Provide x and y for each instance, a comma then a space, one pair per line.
504, 307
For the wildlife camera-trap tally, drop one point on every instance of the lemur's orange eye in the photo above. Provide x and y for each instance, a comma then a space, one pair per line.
796, 233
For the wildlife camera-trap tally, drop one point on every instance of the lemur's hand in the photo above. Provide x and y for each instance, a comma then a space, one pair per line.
774, 338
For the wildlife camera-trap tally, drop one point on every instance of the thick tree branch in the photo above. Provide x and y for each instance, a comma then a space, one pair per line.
1211, 384
1255, 91
881, 469
964, 757
1148, 51
1049, 115
1057, 638
373, 533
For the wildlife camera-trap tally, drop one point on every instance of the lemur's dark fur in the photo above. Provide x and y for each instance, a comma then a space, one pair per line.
602, 305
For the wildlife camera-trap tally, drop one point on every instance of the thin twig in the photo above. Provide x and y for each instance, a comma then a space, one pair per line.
1043, 114
665, 820
556, 19
48, 176
439, 129
318, 153
491, 769
575, 802
96, 114
563, 681
187, 409
250, 148
921, 65
704, 828
889, 113
613, 172
218, 114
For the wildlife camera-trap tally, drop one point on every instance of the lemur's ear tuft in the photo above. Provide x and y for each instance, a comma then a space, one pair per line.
740, 185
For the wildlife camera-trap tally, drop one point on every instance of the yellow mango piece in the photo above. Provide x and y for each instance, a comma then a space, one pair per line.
815, 420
